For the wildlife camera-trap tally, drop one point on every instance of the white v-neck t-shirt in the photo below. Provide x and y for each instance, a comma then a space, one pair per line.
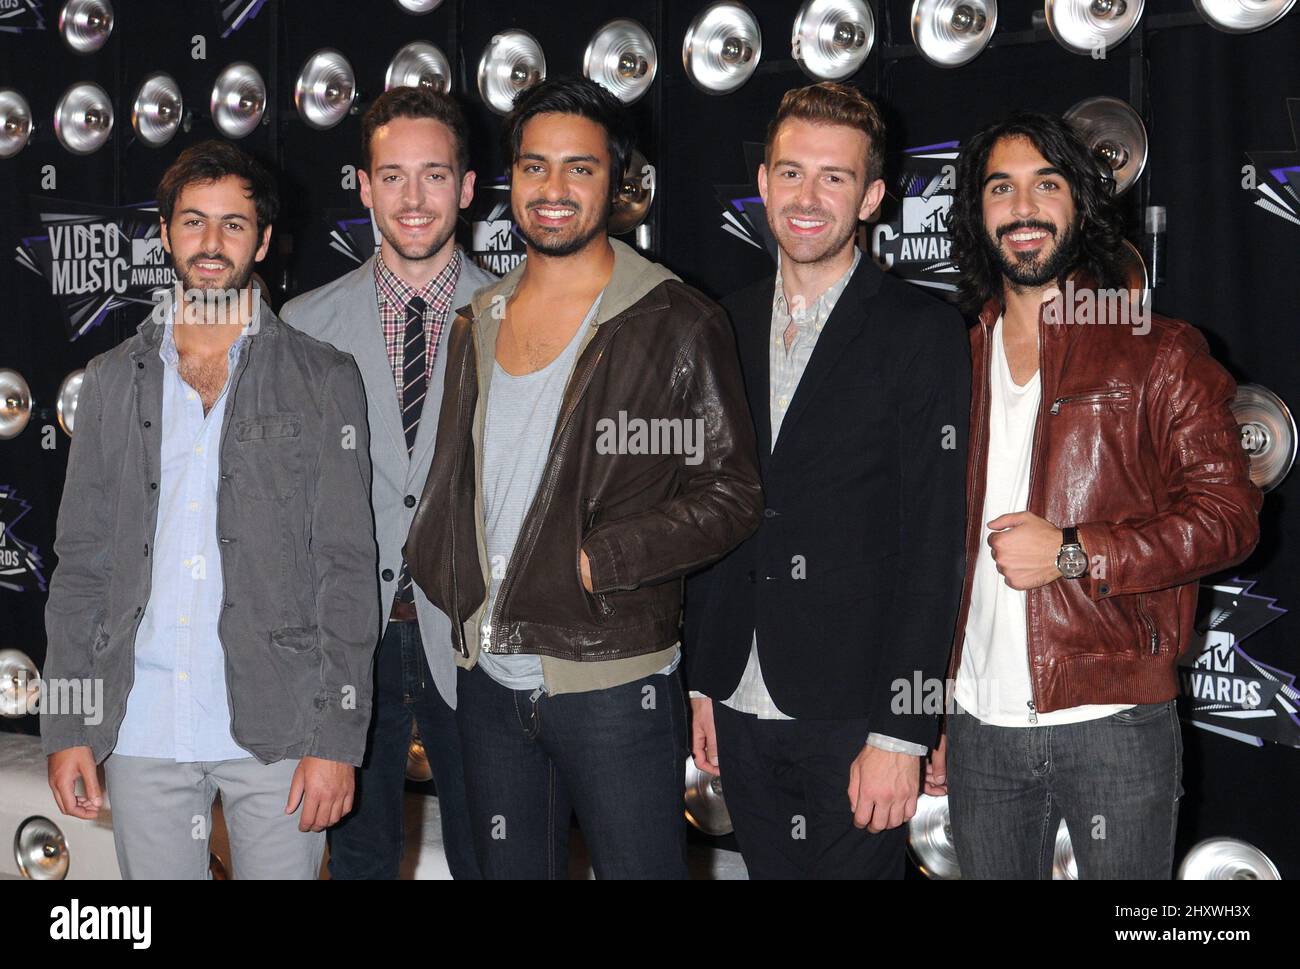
993, 677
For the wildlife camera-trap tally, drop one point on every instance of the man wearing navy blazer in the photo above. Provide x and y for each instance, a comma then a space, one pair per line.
816, 650
393, 315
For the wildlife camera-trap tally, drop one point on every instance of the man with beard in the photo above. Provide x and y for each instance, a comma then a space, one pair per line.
391, 314
816, 648
1106, 478
216, 561
557, 543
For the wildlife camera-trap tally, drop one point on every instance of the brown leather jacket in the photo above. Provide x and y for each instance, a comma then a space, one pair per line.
657, 351
1136, 446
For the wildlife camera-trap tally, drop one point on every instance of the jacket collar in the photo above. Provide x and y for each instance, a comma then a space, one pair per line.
150, 329
634, 277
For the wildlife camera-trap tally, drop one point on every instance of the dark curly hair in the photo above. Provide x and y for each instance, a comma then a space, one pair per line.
1100, 227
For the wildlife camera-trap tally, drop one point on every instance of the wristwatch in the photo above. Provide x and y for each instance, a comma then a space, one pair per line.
1070, 560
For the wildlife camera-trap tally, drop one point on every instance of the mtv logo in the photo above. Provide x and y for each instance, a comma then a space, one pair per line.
1218, 654
148, 252
492, 236
926, 215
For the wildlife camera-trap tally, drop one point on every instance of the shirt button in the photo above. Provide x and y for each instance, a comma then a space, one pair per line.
409, 501
386, 575
784, 401
186, 563
182, 676
198, 449
184, 620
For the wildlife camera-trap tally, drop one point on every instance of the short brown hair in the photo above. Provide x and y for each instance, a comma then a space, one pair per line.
417, 102
211, 161
830, 103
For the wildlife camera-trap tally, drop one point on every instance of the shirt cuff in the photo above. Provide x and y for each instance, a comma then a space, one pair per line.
696, 695
894, 745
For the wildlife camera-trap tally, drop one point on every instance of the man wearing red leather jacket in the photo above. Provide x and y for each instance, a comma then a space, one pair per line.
1105, 479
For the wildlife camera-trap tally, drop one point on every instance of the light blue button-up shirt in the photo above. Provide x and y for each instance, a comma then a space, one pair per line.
178, 707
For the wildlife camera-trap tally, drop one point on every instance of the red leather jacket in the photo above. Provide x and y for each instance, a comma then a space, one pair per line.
1136, 446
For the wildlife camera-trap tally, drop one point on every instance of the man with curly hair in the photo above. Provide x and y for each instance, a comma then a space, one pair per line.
1105, 479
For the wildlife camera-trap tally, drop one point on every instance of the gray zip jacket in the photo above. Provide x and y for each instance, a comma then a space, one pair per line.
301, 617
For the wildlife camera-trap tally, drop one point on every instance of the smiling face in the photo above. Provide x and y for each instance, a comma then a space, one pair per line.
212, 235
413, 188
560, 186
1029, 214
815, 189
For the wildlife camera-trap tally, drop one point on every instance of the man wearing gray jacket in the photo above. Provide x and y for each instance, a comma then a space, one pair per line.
215, 582
392, 314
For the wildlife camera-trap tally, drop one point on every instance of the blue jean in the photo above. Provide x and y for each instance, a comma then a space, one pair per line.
368, 842
1116, 781
616, 757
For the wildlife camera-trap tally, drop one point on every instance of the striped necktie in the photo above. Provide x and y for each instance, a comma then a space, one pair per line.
413, 391
413, 382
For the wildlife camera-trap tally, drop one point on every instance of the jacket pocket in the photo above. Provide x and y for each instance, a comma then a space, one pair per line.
266, 460
1099, 397
296, 639
598, 604
1147, 625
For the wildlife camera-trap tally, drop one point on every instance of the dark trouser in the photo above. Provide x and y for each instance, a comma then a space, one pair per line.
616, 757
786, 785
368, 842
1115, 780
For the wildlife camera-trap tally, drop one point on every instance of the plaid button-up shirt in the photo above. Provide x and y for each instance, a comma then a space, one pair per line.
394, 293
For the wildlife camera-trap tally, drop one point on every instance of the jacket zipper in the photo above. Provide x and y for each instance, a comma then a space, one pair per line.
1074, 398
1147, 621
457, 622
528, 533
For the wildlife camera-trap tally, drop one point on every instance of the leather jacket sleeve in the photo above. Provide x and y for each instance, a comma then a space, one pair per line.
720, 499
1212, 520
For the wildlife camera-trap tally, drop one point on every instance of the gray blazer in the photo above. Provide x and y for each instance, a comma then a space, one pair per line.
345, 313
295, 535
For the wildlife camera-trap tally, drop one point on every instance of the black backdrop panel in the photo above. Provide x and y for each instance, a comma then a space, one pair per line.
1210, 100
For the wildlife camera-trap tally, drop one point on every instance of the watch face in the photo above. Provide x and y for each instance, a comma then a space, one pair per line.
1072, 562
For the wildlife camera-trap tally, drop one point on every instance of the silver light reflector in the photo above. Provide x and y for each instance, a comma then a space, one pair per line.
1268, 434
20, 684
85, 25
15, 122
325, 89
419, 64
1092, 26
1242, 16
1227, 859
621, 58
40, 850
83, 118
929, 839
722, 48
157, 110
66, 404
832, 38
511, 63
238, 100
1115, 135
705, 808
949, 33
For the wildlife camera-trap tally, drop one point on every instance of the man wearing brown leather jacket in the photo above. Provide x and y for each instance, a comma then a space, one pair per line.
594, 446
1105, 479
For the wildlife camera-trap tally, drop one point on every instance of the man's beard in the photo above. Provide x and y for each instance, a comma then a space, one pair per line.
553, 245
239, 277
414, 253
1031, 270
832, 244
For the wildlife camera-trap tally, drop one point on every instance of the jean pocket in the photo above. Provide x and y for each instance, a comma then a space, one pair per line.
1142, 712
